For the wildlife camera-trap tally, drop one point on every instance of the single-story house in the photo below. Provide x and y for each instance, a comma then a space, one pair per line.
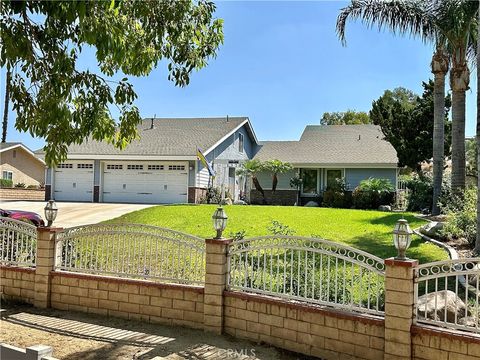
325, 153
20, 165
162, 165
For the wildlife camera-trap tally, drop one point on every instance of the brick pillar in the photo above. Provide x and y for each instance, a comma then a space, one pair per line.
399, 311
215, 283
45, 263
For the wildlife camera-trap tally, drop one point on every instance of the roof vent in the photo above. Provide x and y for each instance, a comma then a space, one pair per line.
151, 125
359, 137
227, 118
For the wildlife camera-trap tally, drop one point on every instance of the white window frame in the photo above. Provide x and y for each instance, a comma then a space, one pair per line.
315, 194
342, 174
8, 173
241, 143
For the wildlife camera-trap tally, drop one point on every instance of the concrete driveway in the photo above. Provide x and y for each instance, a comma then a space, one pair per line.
75, 214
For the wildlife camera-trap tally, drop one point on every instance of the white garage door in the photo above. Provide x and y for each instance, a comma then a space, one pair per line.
145, 182
73, 181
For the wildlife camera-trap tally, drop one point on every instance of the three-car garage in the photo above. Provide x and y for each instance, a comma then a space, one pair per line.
154, 182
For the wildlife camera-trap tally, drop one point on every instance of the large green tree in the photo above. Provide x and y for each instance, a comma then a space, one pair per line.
407, 122
477, 240
349, 117
56, 98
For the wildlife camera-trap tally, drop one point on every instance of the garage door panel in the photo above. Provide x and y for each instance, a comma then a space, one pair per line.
145, 182
73, 181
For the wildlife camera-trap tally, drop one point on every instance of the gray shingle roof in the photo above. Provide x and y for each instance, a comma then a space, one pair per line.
169, 137
333, 145
6, 145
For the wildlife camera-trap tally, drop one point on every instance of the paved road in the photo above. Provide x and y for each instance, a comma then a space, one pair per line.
74, 214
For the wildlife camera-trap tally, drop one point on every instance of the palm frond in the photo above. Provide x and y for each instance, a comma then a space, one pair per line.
414, 17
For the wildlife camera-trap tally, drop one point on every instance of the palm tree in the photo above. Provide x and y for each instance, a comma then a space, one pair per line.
250, 169
277, 167
477, 240
449, 25
5, 108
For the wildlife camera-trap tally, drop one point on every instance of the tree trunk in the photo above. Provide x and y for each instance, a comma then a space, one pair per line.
274, 183
477, 241
439, 69
257, 185
5, 109
459, 79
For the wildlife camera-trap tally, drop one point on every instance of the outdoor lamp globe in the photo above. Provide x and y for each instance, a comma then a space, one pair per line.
51, 212
402, 236
219, 221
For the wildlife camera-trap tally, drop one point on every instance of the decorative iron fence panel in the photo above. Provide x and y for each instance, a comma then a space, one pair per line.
447, 294
19, 243
133, 251
308, 269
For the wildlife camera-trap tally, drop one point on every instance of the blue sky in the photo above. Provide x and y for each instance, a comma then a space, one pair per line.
283, 67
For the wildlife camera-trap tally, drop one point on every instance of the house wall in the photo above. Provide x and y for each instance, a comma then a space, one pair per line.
354, 176
25, 168
265, 179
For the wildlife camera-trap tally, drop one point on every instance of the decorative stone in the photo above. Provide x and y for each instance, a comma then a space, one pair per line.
446, 301
311, 204
385, 208
226, 201
468, 321
432, 229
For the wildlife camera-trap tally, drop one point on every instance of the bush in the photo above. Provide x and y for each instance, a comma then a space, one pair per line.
462, 216
337, 196
213, 196
20, 185
4, 183
33, 187
372, 193
277, 228
420, 195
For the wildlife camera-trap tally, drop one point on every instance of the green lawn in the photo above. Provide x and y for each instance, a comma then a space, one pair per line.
366, 230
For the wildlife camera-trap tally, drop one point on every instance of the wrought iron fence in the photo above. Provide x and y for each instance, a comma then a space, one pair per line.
134, 251
447, 294
308, 269
19, 243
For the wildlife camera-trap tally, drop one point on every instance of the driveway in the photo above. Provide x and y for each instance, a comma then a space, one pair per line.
75, 214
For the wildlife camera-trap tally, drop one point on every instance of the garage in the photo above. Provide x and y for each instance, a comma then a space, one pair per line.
149, 182
73, 181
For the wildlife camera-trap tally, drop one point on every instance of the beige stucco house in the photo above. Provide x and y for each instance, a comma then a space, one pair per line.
19, 164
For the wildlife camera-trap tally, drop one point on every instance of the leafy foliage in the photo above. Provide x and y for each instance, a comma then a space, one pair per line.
251, 168
372, 193
276, 167
420, 195
5, 183
277, 228
471, 154
337, 195
407, 123
20, 185
462, 216
56, 99
349, 117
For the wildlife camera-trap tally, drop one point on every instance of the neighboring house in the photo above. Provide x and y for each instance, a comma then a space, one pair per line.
160, 167
325, 153
19, 164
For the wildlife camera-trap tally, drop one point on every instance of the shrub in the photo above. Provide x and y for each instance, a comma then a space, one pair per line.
337, 195
462, 216
5, 183
420, 195
277, 228
372, 193
20, 185
33, 187
213, 196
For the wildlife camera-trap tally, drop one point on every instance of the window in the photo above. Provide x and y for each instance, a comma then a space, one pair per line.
114, 167
240, 142
134, 167
176, 167
7, 175
310, 181
84, 166
155, 167
14, 154
332, 176
65, 166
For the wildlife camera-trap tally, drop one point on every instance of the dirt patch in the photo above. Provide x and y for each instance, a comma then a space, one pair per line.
76, 336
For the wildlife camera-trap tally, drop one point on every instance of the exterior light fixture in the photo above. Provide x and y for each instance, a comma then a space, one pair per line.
219, 221
51, 211
402, 237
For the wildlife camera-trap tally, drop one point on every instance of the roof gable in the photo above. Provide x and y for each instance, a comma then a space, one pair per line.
7, 146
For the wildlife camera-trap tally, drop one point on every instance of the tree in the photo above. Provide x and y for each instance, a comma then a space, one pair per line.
471, 156
477, 240
407, 123
276, 167
349, 117
250, 169
5, 108
56, 99
450, 26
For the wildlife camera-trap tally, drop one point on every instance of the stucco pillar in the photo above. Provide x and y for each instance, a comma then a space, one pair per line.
399, 307
45, 263
215, 284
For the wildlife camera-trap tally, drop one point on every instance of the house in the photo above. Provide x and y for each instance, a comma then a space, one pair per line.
20, 165
325, 153
161, 166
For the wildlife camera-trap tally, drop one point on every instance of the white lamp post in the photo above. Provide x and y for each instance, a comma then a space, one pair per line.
51, 212
220, 219
402, 237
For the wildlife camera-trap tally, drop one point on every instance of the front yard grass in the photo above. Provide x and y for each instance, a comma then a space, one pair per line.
370, 231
